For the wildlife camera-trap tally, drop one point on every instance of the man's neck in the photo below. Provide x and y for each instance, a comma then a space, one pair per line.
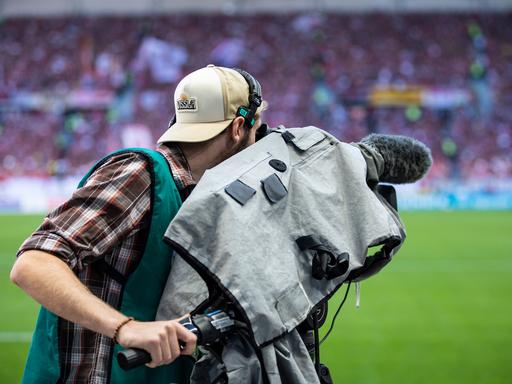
201, 156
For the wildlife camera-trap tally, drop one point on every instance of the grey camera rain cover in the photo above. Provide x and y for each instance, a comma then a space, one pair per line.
240, 225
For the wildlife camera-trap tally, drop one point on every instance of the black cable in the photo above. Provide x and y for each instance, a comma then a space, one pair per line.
337, 312
317, 344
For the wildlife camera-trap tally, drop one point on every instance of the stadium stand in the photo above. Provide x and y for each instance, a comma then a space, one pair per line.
70, 86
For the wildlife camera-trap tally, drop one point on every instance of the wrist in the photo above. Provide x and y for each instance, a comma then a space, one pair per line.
115, 336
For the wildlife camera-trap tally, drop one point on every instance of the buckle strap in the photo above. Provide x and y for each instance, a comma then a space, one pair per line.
325, 264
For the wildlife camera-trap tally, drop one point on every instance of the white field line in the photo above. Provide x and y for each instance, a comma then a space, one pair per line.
15, 337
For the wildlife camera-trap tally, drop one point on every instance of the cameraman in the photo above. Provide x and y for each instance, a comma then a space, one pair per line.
81, 263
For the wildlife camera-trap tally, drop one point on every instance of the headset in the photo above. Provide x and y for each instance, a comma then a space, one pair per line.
255, 99
247, 112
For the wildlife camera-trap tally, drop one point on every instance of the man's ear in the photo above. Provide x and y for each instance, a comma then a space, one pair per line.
236, 130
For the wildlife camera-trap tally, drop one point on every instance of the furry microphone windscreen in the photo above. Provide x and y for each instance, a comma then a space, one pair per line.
406, 160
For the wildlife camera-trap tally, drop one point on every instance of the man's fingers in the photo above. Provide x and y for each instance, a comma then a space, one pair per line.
189, 340
174, 342
161, 339
167, 353
156, 354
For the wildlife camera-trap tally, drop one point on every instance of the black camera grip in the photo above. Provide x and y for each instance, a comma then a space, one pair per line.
132, 358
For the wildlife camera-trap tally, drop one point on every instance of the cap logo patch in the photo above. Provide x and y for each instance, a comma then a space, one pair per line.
186, 103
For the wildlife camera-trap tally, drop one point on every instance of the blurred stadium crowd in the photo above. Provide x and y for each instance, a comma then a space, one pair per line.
72, 89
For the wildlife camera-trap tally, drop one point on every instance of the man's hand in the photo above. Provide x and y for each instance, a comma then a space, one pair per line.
160, 338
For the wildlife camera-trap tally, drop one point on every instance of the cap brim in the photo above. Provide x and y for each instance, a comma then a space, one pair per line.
193, 132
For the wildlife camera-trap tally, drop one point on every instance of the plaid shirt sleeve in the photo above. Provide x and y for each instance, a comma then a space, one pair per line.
111, 206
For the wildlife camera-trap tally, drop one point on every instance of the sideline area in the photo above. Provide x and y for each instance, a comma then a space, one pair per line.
440, 312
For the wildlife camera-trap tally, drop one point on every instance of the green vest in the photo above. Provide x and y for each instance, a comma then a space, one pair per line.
140, 296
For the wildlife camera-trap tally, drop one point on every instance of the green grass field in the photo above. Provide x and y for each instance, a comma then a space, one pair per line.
439, 313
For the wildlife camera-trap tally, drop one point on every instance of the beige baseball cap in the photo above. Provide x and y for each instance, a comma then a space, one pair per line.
206, 101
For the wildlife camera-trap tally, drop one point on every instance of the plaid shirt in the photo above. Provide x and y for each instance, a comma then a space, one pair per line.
107, 218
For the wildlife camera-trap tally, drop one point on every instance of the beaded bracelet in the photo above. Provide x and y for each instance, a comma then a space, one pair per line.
123, 323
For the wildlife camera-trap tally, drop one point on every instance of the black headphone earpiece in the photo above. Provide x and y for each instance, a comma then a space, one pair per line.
255, 98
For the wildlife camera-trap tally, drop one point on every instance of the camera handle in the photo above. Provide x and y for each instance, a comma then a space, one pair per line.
208, 328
